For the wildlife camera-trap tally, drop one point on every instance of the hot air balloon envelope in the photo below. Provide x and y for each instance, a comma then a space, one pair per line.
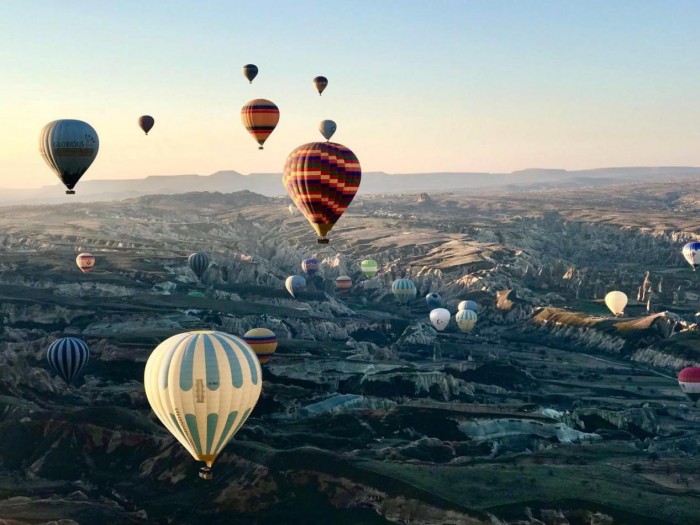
343, 283
691, 252
250, 71
203, 386
434, 300
69, 147
294, 283
689, 381
616, 302
310, 266
322, 178
263, 342
404, 290
468, 305
85, 261
440, 317
199, 262
260, 118
320, 82
465, 319
327, 128
67, 357
146, 123
369, 268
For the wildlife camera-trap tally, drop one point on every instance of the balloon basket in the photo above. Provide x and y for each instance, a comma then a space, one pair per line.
70, 192
206, 473
323, 240
260, 147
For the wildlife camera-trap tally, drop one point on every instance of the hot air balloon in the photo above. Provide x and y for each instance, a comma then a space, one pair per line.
260, 118
263, 342
465, 319
320, 82
67, 357
689, 381
294, 283
322, 178
203, 386
440, 317
468, 305
85, 261
691, 252
616, 302
292, 209
327, 128
369, 268
310, 266
199, 262
343, 283
69, 147
434, 300
146, 123
404, 290
197, 294
250, 71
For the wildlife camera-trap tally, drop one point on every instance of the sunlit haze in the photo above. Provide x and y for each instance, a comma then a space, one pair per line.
415, 86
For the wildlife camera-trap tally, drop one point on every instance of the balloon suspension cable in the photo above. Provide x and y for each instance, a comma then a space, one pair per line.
70, 192
323, 240
206, 473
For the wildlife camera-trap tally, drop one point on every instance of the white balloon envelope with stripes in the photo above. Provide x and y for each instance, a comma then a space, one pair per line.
67, 356
203, 385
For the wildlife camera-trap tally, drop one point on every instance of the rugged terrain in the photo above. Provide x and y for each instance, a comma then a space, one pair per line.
549, 412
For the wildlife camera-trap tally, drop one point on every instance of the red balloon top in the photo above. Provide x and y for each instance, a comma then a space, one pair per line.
690, 375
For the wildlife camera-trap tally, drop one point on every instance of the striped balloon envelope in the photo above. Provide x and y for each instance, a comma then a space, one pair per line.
689, 381
343, 283
369, 268
322, 178
199, 263
263, 342
85, 261
203, 385
466, 320
260, 118
310, 266
404, 290
67, 357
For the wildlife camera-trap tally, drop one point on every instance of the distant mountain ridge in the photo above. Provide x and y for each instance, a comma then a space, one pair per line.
270, 184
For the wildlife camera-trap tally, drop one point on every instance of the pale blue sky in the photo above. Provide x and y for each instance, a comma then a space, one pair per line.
415, 86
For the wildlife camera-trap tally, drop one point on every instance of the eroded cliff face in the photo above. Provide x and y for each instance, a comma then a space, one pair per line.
368, 414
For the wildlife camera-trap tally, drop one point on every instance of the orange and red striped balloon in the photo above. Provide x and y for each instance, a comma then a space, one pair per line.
322, 178
260, 118
85, 262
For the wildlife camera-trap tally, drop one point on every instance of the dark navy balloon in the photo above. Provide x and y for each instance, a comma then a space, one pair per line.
199, 262
67, 357
434, 300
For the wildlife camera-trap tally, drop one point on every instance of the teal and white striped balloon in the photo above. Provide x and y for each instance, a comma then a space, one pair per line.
404, 290
203, 385
466, 319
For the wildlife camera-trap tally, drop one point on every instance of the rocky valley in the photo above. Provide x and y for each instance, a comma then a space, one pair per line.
549, 412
